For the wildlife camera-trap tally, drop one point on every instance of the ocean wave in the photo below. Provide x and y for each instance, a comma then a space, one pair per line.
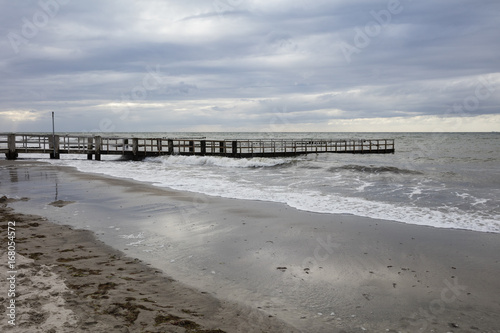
225, 162
443, 217
374, 169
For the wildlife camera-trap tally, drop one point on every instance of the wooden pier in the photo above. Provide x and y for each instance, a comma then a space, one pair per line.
13, 144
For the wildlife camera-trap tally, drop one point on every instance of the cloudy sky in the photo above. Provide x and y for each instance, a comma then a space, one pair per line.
250, 65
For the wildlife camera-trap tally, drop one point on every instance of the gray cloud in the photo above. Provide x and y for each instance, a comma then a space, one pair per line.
240, 64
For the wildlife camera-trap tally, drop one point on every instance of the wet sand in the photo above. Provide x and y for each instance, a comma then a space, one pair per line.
314, 272
67, 281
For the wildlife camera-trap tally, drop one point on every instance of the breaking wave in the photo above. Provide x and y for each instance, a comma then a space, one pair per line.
225, 162
374, 169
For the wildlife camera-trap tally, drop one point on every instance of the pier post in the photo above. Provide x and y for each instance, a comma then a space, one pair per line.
170, 146
54, 147
90, 143
159, 146
234, 146
11, 143
135, 148
97, 148
191, 146
125, 145
203, 145
222, 146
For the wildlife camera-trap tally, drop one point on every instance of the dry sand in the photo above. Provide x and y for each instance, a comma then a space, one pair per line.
254, 265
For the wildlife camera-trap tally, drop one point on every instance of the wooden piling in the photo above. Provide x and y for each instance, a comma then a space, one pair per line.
170, 146
90, 145
135, 147
11, 144
159, 146
234, 148
97, 148
203, 147
54, 145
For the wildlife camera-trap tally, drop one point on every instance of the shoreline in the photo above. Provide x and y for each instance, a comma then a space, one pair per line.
317, 272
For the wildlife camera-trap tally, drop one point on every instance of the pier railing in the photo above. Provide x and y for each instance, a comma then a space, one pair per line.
13, 144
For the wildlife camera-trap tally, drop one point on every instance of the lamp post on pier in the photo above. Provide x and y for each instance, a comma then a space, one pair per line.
55, 145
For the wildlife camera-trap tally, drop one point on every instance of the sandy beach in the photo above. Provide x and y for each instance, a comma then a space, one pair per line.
67, 281
157, 260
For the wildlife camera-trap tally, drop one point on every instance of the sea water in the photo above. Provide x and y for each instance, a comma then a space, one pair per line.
447, 180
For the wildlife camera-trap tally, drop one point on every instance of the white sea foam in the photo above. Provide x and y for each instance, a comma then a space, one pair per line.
219, 161
310, 185
132, 236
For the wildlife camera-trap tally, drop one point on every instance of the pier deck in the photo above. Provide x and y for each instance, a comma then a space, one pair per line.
13, 144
